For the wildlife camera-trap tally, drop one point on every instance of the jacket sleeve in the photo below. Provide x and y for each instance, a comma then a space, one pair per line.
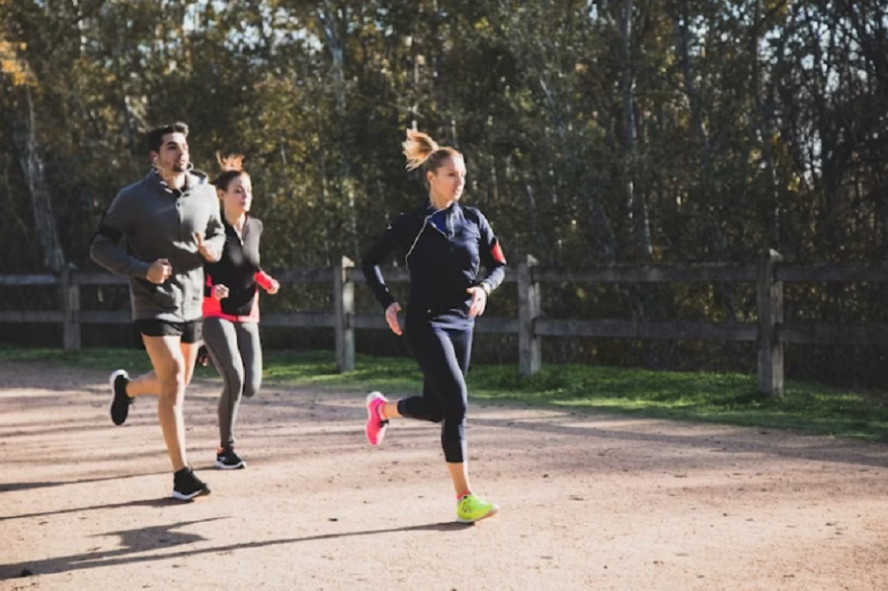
262, 278
106, 246
491, 256
215, 230
379, 251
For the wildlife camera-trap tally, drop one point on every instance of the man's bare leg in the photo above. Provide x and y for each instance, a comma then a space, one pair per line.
148, 384
168, 357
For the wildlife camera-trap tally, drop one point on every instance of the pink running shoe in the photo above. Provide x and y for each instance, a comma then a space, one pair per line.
375, 423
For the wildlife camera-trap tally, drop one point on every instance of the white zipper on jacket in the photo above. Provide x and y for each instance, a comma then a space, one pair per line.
425, 222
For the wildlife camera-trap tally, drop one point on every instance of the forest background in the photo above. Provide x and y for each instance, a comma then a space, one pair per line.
595, 132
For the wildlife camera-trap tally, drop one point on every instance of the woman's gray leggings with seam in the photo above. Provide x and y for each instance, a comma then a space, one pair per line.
236, 352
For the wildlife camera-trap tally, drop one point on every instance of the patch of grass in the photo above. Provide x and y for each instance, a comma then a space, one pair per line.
709, 397
88, 358
318, 368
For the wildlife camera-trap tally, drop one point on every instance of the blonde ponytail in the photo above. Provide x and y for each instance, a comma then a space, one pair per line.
417, 148
232, 162
230, 167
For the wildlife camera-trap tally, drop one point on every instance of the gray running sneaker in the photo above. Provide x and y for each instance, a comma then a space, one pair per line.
226, 459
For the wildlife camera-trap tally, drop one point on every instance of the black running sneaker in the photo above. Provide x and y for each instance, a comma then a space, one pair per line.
226, 459
186, 485
120, 402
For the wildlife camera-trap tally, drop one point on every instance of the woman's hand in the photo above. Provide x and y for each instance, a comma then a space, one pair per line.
203, 357
479, 301
220, 292
391, 317
274, 287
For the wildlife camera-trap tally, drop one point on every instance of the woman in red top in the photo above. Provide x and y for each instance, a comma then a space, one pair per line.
231, 304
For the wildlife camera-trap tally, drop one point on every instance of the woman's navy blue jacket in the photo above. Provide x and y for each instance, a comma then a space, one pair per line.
442, 262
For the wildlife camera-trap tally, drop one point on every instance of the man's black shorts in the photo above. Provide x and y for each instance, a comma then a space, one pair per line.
191, 332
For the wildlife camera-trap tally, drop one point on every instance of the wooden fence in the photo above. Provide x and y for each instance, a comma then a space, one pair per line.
770, 332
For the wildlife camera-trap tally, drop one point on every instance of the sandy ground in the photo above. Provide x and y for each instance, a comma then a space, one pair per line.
587, 501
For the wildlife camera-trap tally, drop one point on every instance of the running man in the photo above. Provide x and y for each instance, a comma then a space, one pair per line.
159, 232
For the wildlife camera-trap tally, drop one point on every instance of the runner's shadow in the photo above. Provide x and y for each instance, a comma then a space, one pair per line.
161, 502
149, 538
154, 539
134, 540
443, 526
16, 486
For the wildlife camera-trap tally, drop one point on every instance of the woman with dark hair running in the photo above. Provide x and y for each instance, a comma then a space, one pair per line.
443, 244
231, 304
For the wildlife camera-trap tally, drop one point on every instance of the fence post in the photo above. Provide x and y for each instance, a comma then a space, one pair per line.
770, 315
344, 311
529, 357
69, 297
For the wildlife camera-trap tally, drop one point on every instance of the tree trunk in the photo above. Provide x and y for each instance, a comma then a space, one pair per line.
636, 207
25, 142
334, 23
764, 120
705, 181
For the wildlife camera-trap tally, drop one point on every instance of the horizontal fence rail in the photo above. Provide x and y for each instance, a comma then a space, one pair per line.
770, 331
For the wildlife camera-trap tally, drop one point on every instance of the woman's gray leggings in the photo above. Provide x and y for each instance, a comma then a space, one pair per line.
237, 354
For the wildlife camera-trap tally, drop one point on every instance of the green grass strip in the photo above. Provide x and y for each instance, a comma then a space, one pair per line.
704, 397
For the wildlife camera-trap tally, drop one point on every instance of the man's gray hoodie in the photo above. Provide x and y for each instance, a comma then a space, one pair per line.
147, 221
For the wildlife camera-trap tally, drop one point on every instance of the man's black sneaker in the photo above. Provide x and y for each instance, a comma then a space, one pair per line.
226, 459
120, 402
186, 485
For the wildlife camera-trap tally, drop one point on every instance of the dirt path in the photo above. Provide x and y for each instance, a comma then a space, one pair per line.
588, 501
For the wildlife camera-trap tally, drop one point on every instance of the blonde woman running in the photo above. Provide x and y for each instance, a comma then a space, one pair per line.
446, 244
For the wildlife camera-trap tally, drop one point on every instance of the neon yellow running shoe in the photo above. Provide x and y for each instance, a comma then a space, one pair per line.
470, 509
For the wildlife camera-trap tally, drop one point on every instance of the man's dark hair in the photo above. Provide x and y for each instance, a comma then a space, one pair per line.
155, 136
